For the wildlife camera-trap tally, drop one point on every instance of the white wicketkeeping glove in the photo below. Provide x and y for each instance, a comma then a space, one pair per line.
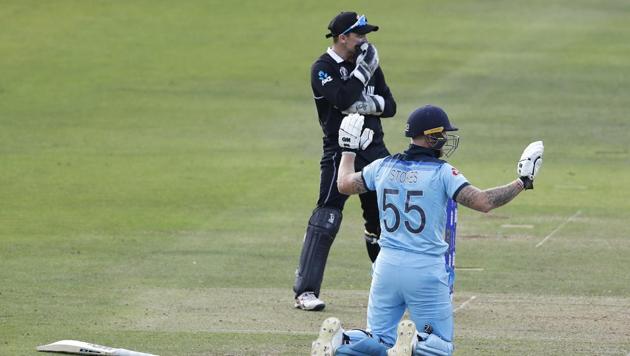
367, 62
367, 105
530, 163
350, 135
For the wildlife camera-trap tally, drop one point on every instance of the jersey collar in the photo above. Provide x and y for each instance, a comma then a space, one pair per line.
418, 153
334, 55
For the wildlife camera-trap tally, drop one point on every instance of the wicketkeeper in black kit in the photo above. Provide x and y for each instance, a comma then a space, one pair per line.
346, 79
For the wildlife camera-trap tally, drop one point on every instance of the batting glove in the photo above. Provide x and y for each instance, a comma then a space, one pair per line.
530, 163
351, 137
366, 138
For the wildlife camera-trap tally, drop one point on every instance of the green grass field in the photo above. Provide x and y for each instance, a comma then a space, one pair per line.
159, 161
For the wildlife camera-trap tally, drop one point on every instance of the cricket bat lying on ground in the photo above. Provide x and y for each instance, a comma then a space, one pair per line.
85, 348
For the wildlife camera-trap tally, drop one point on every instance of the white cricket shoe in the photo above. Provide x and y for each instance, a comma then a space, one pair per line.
308, 301
406, 339
330, 338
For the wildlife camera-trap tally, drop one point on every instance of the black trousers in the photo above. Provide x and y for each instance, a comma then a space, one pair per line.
329, 196
317, 243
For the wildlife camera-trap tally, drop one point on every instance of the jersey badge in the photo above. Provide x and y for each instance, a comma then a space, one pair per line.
324, 77
344, 73
455, 171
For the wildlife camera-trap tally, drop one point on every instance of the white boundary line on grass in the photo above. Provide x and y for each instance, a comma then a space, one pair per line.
298, 332
464, 304
517, 226
471, 269
251, 331
246, 331
558, 228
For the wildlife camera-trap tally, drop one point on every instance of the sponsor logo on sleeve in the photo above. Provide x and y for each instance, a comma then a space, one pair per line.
324, 77
455, 171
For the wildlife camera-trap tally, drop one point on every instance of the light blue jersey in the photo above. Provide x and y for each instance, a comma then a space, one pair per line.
410, 272
413, 189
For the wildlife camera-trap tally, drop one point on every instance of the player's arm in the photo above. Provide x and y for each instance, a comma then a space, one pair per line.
486, 200
348, 181
352, 137
326, 81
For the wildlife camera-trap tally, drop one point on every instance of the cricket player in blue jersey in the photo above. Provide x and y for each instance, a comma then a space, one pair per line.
413, 189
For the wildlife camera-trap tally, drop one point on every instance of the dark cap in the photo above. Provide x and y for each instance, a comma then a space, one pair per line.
347, 22
427, 120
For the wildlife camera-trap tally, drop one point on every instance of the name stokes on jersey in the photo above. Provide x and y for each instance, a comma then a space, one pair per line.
399, 176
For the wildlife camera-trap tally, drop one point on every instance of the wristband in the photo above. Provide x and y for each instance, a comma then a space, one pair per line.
527, 183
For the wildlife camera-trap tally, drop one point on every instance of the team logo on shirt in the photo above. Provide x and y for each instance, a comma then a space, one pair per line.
455, 171
344, 73
324, 77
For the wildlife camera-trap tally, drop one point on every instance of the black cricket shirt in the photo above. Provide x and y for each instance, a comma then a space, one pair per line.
335, 89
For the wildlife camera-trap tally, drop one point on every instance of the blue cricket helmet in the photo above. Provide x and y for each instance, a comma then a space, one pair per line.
427, 120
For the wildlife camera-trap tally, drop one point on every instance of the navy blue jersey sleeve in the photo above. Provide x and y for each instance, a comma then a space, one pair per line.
383, 90
327, 82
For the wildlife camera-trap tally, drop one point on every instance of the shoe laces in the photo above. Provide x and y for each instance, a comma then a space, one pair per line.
307, 296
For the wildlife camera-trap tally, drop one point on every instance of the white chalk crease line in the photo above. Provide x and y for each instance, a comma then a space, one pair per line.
464, 304
558, 228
